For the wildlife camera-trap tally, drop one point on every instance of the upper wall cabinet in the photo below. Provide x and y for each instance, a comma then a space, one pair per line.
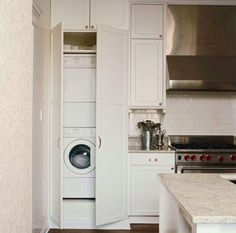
87, 14
146, 73
74, 14
113, 13
147, 21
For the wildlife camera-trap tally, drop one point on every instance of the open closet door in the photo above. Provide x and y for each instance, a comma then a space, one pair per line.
111, 153
56, 123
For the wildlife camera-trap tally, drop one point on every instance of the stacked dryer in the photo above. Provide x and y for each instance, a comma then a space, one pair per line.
79, 125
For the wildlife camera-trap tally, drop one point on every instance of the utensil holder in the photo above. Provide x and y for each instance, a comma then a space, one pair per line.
146, 140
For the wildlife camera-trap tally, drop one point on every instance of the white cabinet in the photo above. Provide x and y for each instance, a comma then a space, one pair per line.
56, 124
144, 199
87, 14
112, 13
147, 78
146, 73
111, 125
147, 21
74, 14
145, 189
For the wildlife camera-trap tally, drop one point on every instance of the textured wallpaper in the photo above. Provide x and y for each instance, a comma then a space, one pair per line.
15, 114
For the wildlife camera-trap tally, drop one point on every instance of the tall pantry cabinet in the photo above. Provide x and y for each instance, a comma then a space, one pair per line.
147, 33
111, 124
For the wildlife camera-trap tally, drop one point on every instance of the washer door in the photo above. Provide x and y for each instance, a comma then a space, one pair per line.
79, 156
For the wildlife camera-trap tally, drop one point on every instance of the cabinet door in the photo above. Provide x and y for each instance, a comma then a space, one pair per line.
145, 189
74, 14
56, 122
146, 73
111, 153
147, 21
112, 13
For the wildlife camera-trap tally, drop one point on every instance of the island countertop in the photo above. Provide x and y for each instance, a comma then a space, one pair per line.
203, 198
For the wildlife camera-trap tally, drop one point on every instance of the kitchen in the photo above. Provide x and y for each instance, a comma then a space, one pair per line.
180, 113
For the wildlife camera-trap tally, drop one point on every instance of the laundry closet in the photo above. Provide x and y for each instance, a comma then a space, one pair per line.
88, 124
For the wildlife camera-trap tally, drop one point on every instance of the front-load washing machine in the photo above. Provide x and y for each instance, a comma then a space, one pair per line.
79, 163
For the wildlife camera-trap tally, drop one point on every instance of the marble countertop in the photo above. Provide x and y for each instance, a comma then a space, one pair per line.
135, 149
203, 198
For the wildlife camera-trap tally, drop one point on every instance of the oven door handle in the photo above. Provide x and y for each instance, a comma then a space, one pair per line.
181, 168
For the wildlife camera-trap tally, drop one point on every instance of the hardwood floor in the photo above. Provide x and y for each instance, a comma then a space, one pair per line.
135, 228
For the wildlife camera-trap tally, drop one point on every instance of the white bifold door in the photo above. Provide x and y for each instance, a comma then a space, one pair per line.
111, 125
56, 123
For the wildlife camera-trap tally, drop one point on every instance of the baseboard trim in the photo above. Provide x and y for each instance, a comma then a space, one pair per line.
144, 219
54, 223
89, 223
45, 230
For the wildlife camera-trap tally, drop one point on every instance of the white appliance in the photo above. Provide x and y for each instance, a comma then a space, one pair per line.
79, 90
79, 78
79, 163
79, 115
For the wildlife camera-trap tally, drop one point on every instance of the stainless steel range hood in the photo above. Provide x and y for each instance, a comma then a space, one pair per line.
201, 47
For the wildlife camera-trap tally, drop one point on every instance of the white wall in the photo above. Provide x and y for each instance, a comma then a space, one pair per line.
193, 114
15, 115
40, 152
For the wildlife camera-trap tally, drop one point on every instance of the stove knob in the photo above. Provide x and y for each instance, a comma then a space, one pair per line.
220, 158
193, 157
203, 157
233, 157
208, 157
186, 157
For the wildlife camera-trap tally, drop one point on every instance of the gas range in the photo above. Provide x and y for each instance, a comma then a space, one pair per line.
204, 151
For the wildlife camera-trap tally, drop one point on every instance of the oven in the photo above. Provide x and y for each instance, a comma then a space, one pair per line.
204, 154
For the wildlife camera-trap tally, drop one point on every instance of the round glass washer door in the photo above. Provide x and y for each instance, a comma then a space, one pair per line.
79, 156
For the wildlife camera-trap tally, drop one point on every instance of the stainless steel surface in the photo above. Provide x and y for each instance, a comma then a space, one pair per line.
205, 158
160, 138
184, 139
153, 160
204, 154
201, 47
146, 140
203, 169
149, 131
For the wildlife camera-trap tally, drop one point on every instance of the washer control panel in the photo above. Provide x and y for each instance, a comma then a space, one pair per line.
79, 132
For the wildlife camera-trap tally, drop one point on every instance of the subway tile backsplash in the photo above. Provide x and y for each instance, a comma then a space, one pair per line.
201, 113
193, 113
142, 115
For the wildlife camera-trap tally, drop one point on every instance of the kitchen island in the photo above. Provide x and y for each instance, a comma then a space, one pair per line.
197, 203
